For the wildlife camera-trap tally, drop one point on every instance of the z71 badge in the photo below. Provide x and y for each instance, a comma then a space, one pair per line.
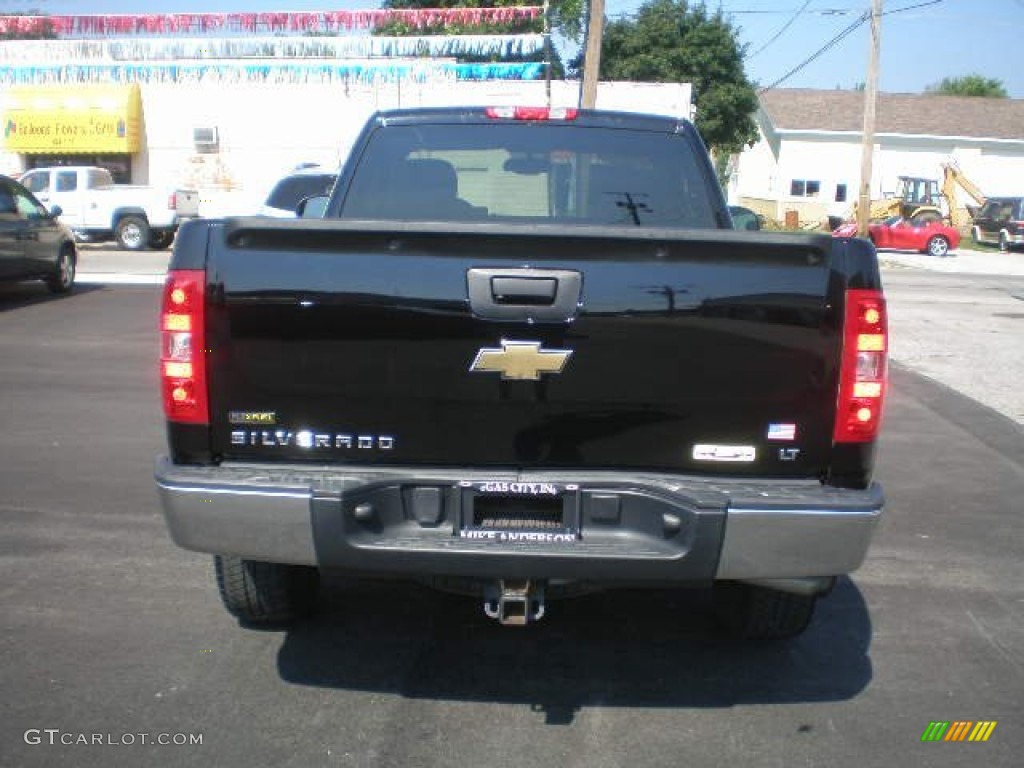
263, 418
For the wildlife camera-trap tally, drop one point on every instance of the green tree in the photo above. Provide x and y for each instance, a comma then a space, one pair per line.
969, 85
567, 18
670, 41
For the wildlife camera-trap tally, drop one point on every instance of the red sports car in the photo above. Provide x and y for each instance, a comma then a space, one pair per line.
932, 237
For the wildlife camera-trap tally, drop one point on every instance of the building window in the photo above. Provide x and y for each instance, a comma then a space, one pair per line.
840, 193
803, 188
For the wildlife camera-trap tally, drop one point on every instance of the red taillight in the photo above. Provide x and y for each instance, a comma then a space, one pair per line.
172, 201
862, 375
532, 113
183, 347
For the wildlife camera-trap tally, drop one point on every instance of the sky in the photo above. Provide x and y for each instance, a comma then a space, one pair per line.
922, 41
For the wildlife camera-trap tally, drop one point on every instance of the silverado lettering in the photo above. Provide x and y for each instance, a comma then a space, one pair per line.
509, 329
282, 438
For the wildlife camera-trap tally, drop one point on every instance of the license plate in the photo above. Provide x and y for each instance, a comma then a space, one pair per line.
513, 511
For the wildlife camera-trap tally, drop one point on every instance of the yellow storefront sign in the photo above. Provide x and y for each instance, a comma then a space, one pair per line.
66, 120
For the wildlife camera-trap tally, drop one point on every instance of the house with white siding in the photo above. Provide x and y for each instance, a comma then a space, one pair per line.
807, 161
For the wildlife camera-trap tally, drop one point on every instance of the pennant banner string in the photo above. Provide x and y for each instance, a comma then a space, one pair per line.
423, 71
91, 25
362, 46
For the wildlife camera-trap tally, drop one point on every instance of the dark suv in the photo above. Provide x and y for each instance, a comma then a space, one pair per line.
294, 188
1000, 220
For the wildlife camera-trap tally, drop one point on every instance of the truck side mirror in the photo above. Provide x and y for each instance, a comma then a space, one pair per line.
312, 207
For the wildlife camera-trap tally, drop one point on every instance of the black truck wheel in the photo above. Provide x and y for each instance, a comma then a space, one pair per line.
132, 233
750, 612
266, 593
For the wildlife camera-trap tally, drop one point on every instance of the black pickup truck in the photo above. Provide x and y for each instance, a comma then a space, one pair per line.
523, 352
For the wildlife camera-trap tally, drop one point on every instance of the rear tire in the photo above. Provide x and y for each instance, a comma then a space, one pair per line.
750, 612
62, 280
266, 593
132, 233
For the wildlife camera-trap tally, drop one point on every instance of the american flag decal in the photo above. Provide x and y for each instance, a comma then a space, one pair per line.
782, 431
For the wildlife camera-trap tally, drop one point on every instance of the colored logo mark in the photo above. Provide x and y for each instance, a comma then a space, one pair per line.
958, 730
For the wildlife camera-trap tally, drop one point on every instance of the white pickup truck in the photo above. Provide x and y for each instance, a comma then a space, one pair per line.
96, 209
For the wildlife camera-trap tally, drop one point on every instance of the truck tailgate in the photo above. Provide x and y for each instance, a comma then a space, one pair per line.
681, 350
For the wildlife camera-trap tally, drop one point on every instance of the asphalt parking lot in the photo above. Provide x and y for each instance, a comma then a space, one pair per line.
109, 629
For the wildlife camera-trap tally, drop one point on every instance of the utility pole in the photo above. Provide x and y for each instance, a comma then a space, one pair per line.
592, 53
868, 140
547, 52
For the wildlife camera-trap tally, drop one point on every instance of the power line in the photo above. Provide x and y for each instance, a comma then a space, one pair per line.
826, 47
785, 26
912, 7
632, 14
860, 20
838, 38
782, 11
628, 15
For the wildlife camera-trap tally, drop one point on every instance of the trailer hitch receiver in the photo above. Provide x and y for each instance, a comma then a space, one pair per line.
514, 602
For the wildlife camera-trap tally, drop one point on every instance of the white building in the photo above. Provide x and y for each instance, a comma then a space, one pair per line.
808, 158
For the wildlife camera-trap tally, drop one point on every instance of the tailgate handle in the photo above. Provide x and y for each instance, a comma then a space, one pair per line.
524, 294
524, 290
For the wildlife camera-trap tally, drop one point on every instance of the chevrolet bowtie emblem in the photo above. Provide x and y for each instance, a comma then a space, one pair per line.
520, 360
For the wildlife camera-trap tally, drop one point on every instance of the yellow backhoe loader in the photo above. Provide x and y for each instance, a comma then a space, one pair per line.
953, 177
917, 199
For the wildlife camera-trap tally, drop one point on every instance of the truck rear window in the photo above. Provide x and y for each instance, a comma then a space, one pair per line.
536, 172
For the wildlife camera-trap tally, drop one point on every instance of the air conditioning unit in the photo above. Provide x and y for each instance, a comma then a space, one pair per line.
205, 138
